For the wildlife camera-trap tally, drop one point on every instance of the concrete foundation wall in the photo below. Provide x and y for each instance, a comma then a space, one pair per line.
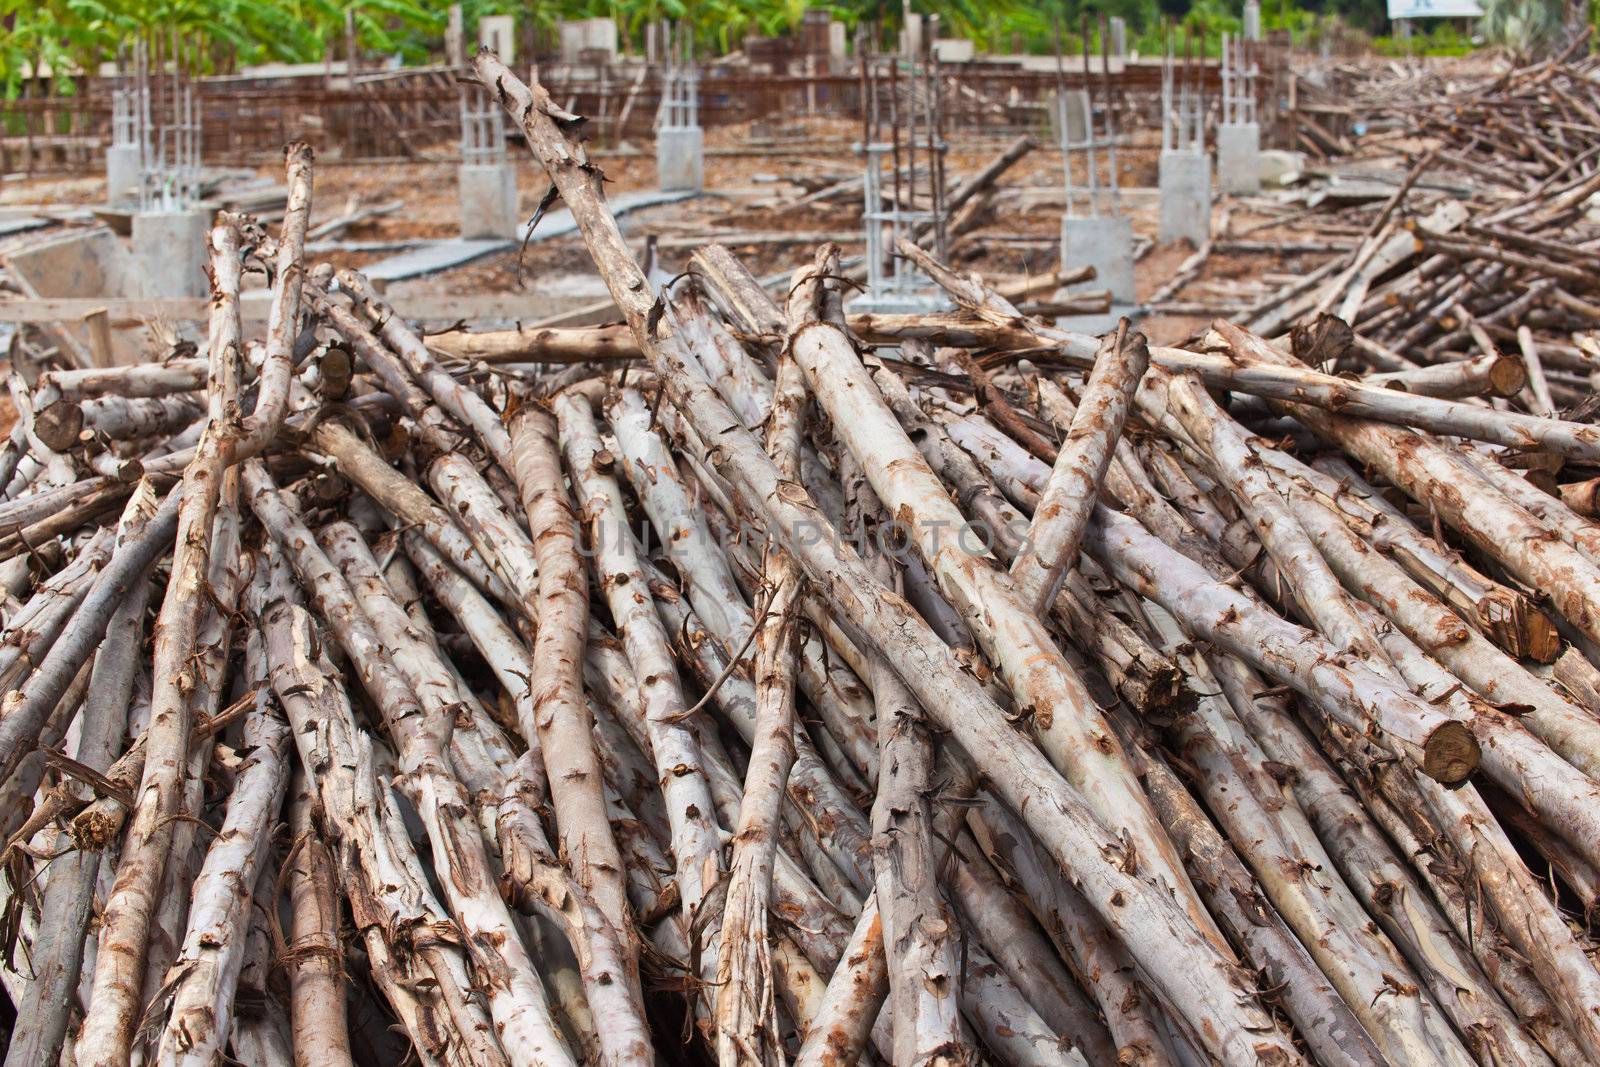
78, 263
680, 159
488, 194
1185, 197
169, 253
1106, 244
1239, 158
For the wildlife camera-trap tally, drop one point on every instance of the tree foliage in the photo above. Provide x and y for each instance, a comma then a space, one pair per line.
1524, 27
71, 36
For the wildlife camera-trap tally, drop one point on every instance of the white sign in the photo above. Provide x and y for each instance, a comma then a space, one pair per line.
1434, 9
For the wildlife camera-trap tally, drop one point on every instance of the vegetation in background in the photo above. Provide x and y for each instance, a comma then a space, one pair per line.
1442, 38
1523, 27
69, 36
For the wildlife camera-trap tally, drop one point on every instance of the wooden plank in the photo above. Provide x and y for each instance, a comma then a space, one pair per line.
120, 312
99, 326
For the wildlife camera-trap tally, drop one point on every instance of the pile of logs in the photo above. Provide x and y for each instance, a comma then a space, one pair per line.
1458, 298
1476, 278
1517, 126
752, 682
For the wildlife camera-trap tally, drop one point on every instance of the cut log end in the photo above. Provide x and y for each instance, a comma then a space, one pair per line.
1450, 754
1517, 626
58, 425
1507, 377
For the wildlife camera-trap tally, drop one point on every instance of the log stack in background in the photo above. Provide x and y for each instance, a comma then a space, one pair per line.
755, 683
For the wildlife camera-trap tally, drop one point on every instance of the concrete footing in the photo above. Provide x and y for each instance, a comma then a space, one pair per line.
1239, 158
931, 303
169, 253
1185, 197
122, 174
680, 158
1069, 113
488, 193
1106, 244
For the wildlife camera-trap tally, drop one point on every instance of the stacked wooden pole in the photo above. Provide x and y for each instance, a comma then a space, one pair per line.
754, 682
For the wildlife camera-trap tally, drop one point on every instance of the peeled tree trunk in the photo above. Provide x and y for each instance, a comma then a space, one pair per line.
1027, 959
27, 709
321, 1030
107, 1034
406, 500
747, 1018
839, 1032
32, 629
1275, 839
1070, 727
1577, 531
1277, 378
919, 929
1326, 1022
436, 429
1504, 615
1202, 983
565, 728
1347, 692
65, 423
465, 404
58, 956
392, 905
1564, 797
1132, 1014
1435, 477
1531, 922
1074, 487
715, 596
516, 998
261, 1032
546, 344
531, 877
674, 743
1440, 745
1491, 375
207, 970
1142, 676
139, 380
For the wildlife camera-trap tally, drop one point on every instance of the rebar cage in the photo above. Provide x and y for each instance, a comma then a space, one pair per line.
1082, 139
903, 148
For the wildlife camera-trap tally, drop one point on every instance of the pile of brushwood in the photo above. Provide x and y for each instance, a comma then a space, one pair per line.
1515, 125
754, 682
1477, 276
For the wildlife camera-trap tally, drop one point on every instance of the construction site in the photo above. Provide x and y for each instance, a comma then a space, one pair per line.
584, 542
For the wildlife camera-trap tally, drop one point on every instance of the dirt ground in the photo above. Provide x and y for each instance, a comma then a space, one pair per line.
753, 179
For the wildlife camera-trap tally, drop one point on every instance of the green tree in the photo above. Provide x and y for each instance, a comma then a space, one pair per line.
1526, 28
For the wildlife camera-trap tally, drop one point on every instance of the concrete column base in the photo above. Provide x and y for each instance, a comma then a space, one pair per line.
169, 254
488, 193
680, 159
122, 174
1239, 158
899, 304
1068, 110
1105, 244
1185, 197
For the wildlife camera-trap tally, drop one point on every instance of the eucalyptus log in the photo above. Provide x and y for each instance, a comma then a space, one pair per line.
1016, 768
